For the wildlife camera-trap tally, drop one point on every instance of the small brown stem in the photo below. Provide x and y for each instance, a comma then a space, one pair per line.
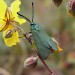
28, 39
22, 32
51, 73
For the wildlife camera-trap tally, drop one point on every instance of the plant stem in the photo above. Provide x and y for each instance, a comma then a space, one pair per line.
51, 73
27, 38
21, 30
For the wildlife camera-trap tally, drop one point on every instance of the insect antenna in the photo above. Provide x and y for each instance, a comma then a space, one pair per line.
32, 12
24, 17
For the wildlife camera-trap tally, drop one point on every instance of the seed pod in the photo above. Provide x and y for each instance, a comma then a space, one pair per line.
9, 34
57, 2
30, 62
71, 7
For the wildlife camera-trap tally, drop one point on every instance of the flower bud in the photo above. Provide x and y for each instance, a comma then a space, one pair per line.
8, 34
71, 7
31, 62
57, 2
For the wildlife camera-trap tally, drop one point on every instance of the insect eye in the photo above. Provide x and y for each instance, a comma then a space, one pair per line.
32, 24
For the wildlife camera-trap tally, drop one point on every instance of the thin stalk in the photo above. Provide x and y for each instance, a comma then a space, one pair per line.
21, 30
50, 71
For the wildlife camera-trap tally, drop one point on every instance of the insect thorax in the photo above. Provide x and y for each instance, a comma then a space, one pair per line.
34, 26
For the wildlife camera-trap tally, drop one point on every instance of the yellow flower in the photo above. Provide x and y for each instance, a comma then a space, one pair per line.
8, 21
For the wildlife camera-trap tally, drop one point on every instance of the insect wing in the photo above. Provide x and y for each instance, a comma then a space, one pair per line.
43, 50
46, 40
44, 43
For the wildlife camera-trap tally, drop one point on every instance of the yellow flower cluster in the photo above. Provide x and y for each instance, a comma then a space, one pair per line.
8, 20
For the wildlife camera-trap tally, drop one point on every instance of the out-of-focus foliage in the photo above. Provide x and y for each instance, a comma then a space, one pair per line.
58, 24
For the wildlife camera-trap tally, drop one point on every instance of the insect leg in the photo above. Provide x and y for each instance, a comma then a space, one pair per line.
28, 36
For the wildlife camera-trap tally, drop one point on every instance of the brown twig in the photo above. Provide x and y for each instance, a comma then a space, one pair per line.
21, 30
51, 73
27, 38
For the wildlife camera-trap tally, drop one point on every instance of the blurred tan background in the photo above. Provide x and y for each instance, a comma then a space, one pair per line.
58, 24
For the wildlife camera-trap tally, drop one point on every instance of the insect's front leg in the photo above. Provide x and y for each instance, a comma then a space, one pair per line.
28, 37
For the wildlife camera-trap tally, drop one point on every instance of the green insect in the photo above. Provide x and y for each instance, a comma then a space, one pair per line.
44, 43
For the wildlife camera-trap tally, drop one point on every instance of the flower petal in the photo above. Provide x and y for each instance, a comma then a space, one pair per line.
13, 39
15, 7
2, 25
3, 7
20, 21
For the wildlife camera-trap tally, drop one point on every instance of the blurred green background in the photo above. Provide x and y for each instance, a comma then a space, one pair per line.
58, 24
